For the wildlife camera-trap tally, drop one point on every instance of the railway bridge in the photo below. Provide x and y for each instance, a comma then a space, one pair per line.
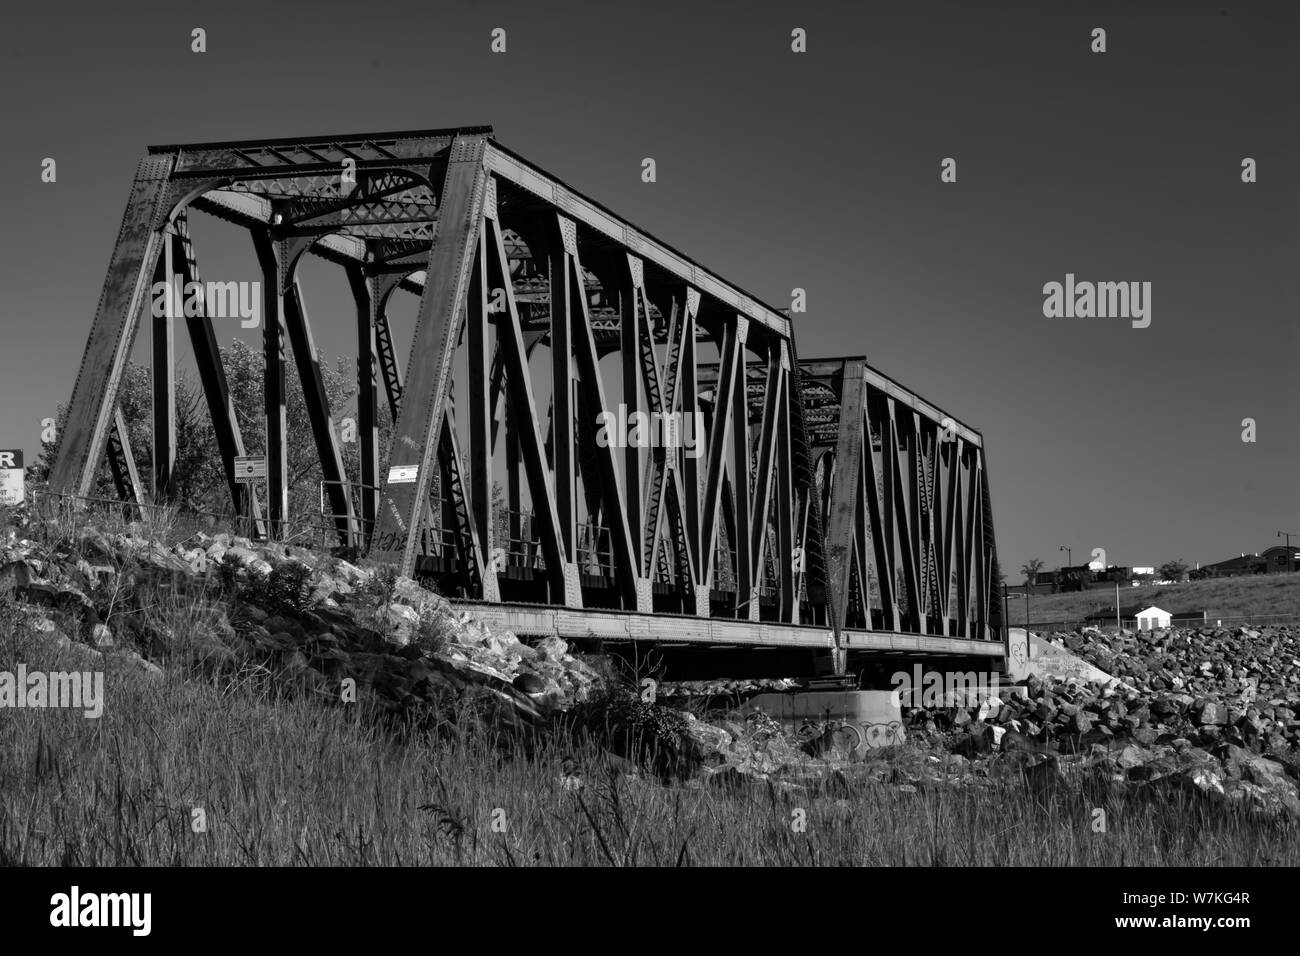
781, 513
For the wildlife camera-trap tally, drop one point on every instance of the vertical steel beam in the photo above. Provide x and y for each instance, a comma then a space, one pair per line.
930, 498
514, 503
163, 369
317, 402
939, 514
952, 532
631, 323
686, 468
112, 332
273, 383
915, 508
982, 569
785, 499
881, 513
971, 527
910, 482
390, 369
862, 530
561, 249
731, 352
961, 542
479, 384
367, 301
686, 551
803, 523
742, 491
898, 501
844, 516
458, 515
767, 440
433, 349
996, 609
563, 450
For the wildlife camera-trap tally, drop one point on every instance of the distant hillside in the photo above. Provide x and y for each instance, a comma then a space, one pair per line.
1260, 595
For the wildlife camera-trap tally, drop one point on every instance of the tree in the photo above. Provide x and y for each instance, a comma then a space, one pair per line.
1172, 570
135, 398
198, 478
1030, 570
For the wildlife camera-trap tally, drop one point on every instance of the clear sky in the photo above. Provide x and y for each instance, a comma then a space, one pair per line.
818, 170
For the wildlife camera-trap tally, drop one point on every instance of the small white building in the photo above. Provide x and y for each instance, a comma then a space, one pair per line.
1148, 619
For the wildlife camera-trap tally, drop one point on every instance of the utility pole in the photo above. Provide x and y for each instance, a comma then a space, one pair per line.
1117, 605
1069, 556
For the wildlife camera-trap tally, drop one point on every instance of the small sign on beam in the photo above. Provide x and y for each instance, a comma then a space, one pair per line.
250, 468
12, 489
402, 474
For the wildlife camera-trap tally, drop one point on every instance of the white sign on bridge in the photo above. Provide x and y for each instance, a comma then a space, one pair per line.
250, 468
402, 474
12, 490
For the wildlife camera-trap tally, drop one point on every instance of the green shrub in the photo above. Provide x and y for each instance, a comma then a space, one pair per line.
382, 585
642, 731
284, 591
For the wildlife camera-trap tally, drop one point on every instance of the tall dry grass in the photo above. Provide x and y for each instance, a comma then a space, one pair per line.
286, 779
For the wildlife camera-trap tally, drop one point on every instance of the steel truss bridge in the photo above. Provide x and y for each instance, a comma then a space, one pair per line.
823, 507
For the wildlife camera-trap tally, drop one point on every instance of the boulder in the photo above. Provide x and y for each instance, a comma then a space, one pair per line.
398, 622
1209, 711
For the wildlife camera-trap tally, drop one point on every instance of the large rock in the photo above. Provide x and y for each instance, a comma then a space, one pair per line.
1210, 712
398, 622
1047, 660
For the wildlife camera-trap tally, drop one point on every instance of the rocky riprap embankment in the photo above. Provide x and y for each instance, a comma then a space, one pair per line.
233, 603
1200, 713
1207, 710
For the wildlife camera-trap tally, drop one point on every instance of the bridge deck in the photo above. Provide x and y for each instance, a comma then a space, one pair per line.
608, 625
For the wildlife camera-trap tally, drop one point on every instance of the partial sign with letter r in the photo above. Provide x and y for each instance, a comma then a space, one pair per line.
12, 489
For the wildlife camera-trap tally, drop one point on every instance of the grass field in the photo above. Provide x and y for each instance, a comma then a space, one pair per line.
308, 782
1261, 595
196, 770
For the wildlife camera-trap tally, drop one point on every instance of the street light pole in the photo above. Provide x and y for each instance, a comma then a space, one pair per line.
1069, 556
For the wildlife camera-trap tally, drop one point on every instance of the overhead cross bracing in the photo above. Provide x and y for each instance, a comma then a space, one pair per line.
817, 503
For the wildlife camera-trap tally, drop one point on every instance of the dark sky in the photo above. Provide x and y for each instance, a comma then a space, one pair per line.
779, 170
